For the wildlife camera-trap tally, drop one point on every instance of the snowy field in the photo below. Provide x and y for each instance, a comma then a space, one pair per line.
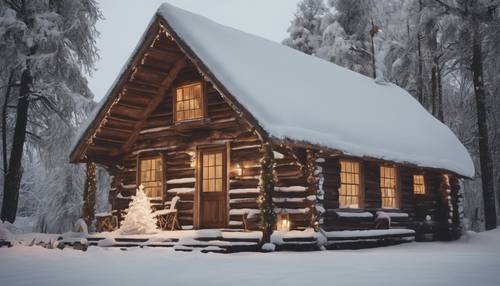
474, 260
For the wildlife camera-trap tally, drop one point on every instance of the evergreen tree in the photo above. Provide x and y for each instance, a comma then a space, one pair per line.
305, 30
139, 218
346, 38
48, 45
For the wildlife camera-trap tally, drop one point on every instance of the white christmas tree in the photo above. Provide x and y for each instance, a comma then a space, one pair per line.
139, 218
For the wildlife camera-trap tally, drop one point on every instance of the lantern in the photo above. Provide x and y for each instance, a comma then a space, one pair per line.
283, 223
193, 160
238, 170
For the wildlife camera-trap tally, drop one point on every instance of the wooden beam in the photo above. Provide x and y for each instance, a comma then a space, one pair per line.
129, 106
165, 85
116, 129
121, 119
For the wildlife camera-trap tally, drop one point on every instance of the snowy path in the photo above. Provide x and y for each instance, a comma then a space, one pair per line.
475, 260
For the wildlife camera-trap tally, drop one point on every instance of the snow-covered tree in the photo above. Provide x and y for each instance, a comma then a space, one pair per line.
305, 29
47, 46
139, 218
346, 35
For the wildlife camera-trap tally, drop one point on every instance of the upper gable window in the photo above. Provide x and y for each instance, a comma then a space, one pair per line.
188, 102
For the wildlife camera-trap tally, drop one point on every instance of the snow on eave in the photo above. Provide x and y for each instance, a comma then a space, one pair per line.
332, 152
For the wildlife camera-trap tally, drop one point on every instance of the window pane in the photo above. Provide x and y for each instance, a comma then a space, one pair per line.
388, 187
151, 176
212, 172
349, 190
189, 102
418, 184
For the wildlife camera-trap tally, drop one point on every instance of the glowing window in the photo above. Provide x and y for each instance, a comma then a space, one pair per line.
388, 187
349, 191
212, 172
151, 177
418, 184
189, 102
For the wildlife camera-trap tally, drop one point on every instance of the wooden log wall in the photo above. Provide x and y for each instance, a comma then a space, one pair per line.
420, 208
178, 145
293, 194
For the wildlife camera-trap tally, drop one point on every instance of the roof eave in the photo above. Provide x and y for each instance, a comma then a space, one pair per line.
77, 154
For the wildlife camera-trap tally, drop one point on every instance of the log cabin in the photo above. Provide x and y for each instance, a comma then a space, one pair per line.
192, 108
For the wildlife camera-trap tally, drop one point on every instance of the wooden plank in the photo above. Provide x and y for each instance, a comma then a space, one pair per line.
165, 85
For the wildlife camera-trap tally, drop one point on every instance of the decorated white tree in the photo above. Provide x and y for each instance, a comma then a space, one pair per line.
139, 218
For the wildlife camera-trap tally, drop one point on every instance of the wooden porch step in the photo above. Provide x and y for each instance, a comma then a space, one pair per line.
204, 249
300, 239
298, 246
368, 238
133, 240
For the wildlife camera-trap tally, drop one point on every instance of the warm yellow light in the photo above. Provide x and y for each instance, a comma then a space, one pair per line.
238, 170
283, 222
193, 161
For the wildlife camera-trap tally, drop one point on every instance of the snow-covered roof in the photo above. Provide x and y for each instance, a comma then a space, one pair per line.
303, 98
296, 96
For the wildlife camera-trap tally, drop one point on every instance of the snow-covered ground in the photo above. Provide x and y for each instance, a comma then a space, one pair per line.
474, 260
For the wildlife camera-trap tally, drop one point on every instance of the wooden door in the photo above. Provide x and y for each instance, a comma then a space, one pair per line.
213, 189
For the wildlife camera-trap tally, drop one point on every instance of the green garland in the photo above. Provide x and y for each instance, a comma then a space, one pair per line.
266, 187
312, 182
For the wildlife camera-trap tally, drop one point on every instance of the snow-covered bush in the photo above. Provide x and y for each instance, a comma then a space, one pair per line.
139, 218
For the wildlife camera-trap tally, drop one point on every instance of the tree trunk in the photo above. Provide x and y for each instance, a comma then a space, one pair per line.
374, 67
434, 89
484, 154
89, 192
13, 177
4, 122
420, 76
440, 114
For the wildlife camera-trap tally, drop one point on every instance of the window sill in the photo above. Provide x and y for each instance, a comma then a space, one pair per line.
354, 210
390, 210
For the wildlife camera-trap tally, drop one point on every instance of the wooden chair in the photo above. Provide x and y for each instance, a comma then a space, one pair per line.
251, 220
106, 222
167, 217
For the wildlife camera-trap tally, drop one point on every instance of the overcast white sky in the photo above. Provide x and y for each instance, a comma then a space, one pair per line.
126, 20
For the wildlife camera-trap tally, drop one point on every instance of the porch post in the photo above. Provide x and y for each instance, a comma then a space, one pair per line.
451, 228
312, 187
266, 187
89, 193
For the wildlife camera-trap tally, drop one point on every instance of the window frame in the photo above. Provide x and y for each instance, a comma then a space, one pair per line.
203, 101
361, 193
160, 156
397, 189
424, 185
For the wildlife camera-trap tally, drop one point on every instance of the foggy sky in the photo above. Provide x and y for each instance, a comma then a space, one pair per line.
126, 20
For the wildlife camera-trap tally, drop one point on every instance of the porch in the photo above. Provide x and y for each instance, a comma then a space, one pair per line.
232, 241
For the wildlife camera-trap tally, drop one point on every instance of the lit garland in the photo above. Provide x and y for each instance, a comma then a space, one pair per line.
312, 182
451, 199
266, 187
